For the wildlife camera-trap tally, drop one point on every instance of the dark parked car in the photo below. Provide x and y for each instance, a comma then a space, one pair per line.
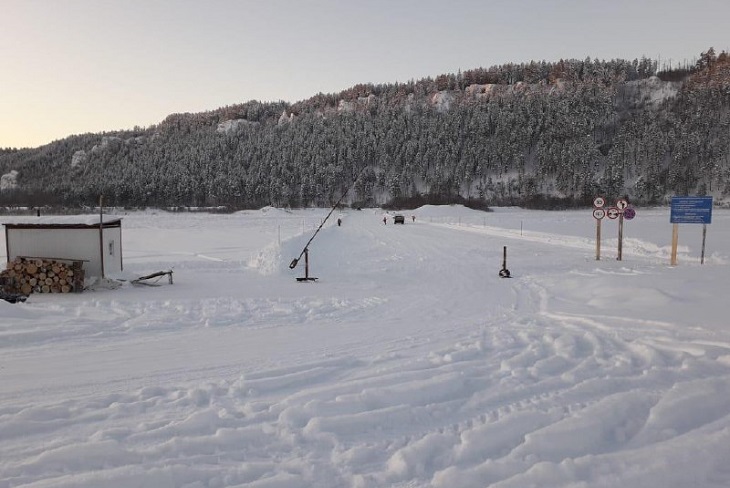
399, 219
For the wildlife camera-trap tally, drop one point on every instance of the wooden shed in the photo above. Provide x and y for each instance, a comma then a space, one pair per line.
95, 240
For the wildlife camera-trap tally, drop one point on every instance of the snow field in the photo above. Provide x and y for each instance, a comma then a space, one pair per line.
409, 363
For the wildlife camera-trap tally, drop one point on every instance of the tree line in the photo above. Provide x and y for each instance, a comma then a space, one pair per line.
537, 133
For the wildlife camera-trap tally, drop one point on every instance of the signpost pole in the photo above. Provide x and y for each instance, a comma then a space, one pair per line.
620, 235
704, 235
622, 210
598, 213
675, 239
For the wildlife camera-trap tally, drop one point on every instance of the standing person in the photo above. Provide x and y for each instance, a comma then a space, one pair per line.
413, 217
339, 222
385, 220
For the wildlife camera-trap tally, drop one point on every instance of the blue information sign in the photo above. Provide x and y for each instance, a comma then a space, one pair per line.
691, 210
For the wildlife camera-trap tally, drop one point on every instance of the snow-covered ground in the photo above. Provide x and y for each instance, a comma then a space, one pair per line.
408, 363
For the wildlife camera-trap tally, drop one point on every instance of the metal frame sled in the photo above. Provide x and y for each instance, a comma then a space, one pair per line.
158, 275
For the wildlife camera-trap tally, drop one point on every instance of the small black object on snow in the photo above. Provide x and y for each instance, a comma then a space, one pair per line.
504, 272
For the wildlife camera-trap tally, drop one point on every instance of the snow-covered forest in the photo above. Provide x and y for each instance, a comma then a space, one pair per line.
534, 134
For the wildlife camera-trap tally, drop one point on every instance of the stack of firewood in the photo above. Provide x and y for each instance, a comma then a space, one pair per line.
38, 275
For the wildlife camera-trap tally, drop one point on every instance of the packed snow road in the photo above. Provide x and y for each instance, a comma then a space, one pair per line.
408, 363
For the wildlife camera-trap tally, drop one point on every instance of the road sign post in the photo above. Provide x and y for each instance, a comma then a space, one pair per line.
689, 210
620, 211
619, 256
621, 205
598, 214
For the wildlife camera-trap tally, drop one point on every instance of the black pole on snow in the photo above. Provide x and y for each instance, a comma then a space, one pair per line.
504, 272
306, 268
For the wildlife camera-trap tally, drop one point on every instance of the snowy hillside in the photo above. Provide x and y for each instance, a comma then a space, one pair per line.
408, 363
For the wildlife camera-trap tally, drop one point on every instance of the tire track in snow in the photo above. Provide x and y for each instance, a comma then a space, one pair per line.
443, 415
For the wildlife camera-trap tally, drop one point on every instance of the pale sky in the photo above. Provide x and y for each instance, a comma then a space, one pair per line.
76, 66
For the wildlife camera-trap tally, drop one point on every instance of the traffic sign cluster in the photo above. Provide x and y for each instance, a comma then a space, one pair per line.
620, 208
620, 211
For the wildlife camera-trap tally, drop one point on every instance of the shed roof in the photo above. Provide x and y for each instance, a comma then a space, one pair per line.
65, 222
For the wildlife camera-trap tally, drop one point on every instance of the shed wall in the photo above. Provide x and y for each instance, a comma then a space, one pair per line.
82, 244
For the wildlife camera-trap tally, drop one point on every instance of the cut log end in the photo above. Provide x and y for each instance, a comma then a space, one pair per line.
26, 276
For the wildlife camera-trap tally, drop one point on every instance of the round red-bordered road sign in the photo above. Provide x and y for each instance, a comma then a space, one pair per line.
612, 213
599, 213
